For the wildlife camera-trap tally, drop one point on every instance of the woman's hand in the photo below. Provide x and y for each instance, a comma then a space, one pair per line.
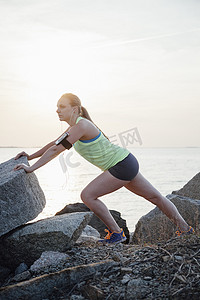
22, 154
26, 168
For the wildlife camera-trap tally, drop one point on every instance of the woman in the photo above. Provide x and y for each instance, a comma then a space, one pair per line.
120, 168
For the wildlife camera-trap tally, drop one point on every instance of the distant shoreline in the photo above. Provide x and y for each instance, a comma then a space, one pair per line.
129, 147
21, 146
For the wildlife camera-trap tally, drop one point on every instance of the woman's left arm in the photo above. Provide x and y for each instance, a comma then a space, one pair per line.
75, 133
51, 153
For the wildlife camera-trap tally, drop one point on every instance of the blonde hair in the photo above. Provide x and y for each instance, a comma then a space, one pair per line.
75, 101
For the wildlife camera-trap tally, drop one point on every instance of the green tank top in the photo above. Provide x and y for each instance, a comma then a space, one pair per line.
100, 151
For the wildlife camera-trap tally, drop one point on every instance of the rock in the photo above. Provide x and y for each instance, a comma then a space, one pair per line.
89, 234
21, 197
43, 286
95, 221
90, 231
26, 275
92, 292
137, 289
56, 233
77, 297
117, 256
190, 189
155, 226
126, 278
178, 257
165, 258
86, 239
49, 261
147, 278
147, 263
125, 270
21, 268
4, 272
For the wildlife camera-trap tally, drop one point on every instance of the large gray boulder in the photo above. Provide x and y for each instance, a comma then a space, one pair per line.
95, 221
190, 189
155, 226
56, 233
21, 197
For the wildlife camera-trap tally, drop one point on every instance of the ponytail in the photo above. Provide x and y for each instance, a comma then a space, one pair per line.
85, 114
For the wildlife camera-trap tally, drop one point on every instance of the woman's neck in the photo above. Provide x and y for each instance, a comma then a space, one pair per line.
73, 119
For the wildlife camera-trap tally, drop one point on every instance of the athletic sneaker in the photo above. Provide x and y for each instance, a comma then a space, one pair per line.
109, 232
113, 237
189, 231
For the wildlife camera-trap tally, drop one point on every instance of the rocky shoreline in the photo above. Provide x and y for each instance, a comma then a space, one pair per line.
60, 257
164, 271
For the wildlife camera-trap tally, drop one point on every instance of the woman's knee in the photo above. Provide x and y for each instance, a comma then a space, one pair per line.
86, 196
83, 195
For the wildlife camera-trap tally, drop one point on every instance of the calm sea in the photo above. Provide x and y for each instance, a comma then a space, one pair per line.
168, 169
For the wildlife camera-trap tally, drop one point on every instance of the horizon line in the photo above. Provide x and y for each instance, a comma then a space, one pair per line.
136, 147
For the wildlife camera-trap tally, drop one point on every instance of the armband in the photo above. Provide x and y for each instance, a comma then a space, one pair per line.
62, 140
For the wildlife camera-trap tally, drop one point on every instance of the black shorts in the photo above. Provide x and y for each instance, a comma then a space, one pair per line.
126, 169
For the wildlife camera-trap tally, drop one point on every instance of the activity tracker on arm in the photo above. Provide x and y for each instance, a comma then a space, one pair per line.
62, 140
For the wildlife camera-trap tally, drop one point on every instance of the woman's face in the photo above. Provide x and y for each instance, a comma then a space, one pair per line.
64, 109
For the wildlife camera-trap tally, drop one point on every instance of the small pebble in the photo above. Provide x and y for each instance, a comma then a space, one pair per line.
21, 268
165, 258
125, 279
126, 270
178, 257
148, 278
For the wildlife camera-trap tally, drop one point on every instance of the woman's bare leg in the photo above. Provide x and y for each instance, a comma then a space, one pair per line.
102, 185
142, 187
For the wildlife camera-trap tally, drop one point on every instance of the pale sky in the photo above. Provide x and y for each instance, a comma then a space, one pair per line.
133, 63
